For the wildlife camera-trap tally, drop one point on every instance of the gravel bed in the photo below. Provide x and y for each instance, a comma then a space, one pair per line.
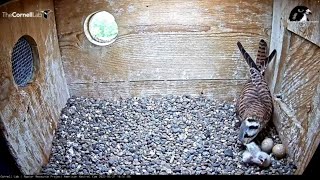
153, 135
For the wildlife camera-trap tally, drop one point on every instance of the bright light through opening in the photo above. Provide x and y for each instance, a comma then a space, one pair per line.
101, 28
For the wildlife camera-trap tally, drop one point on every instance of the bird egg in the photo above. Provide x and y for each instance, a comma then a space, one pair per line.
267, 145
279, 151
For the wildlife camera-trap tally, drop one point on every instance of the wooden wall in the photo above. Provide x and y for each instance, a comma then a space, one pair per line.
164, 47
29, 115
296, 79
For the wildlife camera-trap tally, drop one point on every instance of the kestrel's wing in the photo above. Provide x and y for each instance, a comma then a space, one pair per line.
270, 57
248, 97
261, 86
247, 57
263, 93
249, 91
256, 77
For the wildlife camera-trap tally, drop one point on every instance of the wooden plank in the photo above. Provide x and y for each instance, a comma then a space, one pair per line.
163, 40
143, 16
281, 12
313, 132
295, 75
161, 57
307, 30
219, 89
28, 116
296, 119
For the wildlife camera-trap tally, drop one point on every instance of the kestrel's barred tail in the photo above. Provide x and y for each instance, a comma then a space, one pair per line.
254, 105
262, 54
263, 59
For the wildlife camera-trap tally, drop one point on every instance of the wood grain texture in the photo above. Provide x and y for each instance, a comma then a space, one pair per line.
281, 12
28, 115
162, 40
297, 118
294, 74
309, 30
220, 89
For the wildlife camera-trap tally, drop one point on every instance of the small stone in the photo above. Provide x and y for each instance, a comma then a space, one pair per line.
142, 136
239, 172
276, 165
169, 171
192, 151
175, 130
132, 150
150, 170
228, 153
203, 172
112, 161
171, 159
205, 153
177, 170
215, 164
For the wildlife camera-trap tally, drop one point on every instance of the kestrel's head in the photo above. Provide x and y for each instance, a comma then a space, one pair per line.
249, 129
299, 13
303, 9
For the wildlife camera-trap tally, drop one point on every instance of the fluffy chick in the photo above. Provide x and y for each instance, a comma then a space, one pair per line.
254, 155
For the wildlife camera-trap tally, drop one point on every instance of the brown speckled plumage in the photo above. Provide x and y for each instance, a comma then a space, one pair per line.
254, 106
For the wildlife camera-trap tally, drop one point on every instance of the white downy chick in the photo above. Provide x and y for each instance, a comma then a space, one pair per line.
254, 155
262, 159
247, 157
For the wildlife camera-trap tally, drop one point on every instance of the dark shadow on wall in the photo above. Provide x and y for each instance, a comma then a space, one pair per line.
313, 167
8, 165
4, 1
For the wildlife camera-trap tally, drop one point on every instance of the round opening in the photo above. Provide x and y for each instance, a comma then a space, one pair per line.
101, 28
23, 61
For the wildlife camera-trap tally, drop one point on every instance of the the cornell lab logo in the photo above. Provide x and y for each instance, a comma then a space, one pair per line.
44, 14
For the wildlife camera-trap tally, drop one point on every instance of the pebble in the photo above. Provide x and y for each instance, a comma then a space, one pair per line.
228, 153
152, 135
